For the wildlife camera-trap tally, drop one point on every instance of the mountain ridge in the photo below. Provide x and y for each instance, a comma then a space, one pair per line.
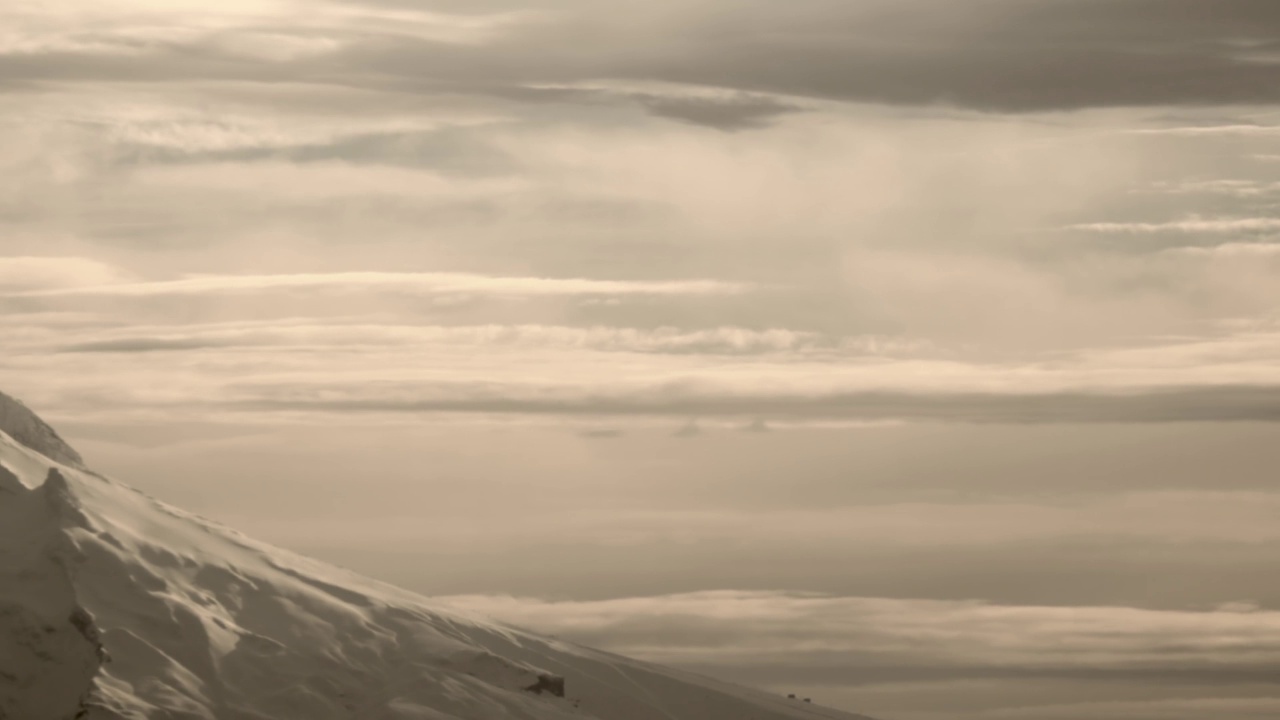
29, 429
116, 606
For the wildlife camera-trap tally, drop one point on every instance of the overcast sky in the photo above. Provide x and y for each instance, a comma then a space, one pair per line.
919, 356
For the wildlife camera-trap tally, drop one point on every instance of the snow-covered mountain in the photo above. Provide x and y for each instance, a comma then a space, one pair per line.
115, 606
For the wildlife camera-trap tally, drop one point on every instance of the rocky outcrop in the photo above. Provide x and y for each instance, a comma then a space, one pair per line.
550, 684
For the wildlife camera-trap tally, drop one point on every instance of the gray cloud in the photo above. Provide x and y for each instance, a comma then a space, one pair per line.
602, 434
730, 112
688, 430
1239, 403
998, 55
723, 114
141, 345
450, 151
989, 54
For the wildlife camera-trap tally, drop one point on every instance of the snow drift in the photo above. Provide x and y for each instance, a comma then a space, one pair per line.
114, 606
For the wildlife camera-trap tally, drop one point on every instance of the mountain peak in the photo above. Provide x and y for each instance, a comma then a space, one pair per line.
24, 426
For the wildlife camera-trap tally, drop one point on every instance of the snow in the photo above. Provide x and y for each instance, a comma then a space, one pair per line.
46, 662
115, 606
30, 431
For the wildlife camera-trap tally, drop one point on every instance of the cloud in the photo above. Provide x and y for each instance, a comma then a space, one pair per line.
1190, 225
602, 434
819, 639
999, 55
430, 283
730, 114
35, 274
1237, 188
1004, 55
1242, 708
730, 376
1227, 403
1211, 130
712, 107
1233, 250
141, 345
306, 332
449, 150
688, 430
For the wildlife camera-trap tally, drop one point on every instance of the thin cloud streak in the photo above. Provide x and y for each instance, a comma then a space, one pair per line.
1211, 130
723, 340
1233, 250
1194, 225
426, 283
1236, 188
351, 334
1242, 403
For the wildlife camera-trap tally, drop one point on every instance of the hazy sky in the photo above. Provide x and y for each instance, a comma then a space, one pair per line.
919, 356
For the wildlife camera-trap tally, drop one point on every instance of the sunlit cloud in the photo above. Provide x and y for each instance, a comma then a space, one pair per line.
37, 274
1212, 130
427, 283
1237, 188
1190, 225
1233, 250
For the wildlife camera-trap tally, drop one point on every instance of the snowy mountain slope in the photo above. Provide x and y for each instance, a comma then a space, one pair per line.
114, 606
28, 429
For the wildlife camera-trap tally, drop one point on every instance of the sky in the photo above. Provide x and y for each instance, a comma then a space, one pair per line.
921, 357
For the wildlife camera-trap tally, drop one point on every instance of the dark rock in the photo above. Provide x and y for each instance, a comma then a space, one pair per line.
552, 684
83, 622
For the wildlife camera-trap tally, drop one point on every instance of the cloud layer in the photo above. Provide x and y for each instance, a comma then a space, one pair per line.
784, 641
1001, 55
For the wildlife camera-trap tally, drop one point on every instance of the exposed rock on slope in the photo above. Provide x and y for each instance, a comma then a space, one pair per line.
114, 606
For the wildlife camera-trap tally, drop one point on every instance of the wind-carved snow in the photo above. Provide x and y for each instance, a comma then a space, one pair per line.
114, 606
